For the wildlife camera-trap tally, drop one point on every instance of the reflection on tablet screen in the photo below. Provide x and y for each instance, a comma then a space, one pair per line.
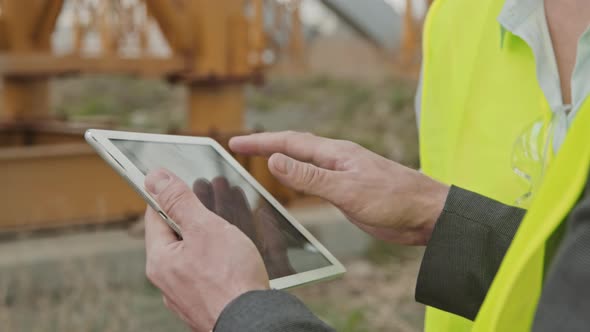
226, 192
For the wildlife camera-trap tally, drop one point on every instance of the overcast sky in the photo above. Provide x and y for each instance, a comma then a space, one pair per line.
314, 13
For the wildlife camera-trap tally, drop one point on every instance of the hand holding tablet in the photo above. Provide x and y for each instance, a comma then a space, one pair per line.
292, 256
212, 265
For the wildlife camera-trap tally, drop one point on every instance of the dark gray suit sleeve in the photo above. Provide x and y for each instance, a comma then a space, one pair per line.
268, 311
467, 246
468, 243
565, 301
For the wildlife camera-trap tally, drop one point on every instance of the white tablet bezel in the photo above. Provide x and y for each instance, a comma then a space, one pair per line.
100, 141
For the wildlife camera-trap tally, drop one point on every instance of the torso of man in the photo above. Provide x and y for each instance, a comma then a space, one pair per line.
567, 20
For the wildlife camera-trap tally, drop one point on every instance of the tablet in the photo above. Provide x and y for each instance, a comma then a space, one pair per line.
292, 256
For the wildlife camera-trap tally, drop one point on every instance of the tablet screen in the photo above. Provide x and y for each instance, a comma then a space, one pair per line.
225, 191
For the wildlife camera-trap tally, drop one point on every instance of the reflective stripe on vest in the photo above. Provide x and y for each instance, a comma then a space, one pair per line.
478, 96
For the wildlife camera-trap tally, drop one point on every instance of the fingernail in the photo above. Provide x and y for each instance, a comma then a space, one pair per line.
157, 181
284, 164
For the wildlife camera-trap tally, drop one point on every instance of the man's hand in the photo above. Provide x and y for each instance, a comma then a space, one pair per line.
213, 264
385, 199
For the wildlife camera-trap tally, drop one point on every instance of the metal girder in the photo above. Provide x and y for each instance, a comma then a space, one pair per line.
28, 24
3, 34
45, 22
173, 21
69, 185
19, 22
48, 65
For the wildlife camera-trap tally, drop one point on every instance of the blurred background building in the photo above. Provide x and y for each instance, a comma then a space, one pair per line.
70, 240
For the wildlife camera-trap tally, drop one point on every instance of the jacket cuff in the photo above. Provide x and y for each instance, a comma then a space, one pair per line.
464, 253
266, 311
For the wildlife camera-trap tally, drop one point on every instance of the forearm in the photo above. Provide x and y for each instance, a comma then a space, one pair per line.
467, 246
269, 311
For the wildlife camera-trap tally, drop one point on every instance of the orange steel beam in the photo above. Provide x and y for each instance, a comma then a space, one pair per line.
239, 48
3, 29
33, 65
28, 26
216, 107
56, 178
211, 33
45, 23
217, 37
210, 40
25, 99
173, 21
410, 36
78, 33
19, 23
257, 34
296, 42
108, 30
3, 34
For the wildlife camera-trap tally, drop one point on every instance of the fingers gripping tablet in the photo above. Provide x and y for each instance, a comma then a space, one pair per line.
291, 254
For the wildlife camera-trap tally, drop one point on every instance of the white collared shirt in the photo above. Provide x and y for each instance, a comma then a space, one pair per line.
527, 20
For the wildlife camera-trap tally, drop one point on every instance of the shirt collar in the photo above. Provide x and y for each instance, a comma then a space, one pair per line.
513, 14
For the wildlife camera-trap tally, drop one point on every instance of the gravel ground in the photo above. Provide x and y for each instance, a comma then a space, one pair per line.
370, 297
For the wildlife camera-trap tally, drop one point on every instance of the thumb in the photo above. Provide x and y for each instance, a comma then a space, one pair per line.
301, 176
176, 199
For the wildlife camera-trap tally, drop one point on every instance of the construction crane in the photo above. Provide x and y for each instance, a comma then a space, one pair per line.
50, 178
215, 50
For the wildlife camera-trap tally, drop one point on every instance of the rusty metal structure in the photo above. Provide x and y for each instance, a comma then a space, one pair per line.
49, 177
215, 48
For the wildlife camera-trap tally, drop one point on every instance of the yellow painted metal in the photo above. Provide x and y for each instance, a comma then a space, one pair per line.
239, 64
108, 40
45, 22
27, 29
411, 37
296, 42
51, 186
215, 107
57, 181
173, 21
209, 39
257, 35
216, 49
3, 34
25, 98
35, 65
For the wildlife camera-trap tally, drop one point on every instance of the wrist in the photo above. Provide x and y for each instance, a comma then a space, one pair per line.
431, 207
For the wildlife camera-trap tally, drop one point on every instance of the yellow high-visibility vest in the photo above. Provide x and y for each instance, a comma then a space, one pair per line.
512, 299
478, 96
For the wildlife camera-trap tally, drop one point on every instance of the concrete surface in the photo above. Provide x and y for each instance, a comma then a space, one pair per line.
49, 263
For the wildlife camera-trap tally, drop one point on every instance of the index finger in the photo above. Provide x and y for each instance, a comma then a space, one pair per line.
157, 233
320, 151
